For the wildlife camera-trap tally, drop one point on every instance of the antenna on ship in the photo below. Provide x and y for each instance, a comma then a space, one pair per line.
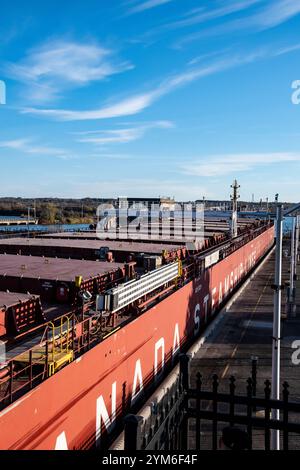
234, 198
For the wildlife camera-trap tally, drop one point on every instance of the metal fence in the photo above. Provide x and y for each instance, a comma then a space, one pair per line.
193, 418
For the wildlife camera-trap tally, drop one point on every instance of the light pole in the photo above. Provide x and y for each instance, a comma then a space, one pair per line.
28, 218
292, 260
296, 243
234, 197
275, 391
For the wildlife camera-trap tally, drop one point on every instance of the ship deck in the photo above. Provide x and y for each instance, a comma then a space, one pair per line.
210, 227
113, 245
9, 299
36, 267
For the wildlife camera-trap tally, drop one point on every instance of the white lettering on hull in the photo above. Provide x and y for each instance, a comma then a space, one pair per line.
176, 341
226, 285
231, 280
102, 415
61, 442
159, 345
213, 300
197, 319
205, 305
138, 376
220, 293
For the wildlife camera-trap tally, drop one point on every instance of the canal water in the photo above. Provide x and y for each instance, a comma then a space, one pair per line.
44, 228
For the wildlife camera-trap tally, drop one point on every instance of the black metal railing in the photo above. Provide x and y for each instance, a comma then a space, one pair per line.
214, 418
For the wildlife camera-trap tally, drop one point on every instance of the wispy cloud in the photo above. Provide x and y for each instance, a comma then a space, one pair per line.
58, 65
124, 135
219, 165
113, 156
137, 103
147, 5
276, 13
268, 16
202, 15
208, 55
288, 49
30, 147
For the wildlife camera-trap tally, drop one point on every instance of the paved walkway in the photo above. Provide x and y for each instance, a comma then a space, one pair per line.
246, 331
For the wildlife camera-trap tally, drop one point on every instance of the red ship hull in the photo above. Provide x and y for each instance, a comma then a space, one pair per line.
85, 396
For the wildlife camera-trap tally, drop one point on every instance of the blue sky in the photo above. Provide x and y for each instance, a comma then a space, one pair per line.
150, 97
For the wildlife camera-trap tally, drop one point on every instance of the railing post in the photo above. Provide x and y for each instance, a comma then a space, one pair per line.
184, 360
30, 367
215, 412
198, 411
73, 333
285, 395
184, 386
47, 353
132, 432
89, 332
267, 414
254, 361
276, 339
231, 405
249, 410
11, 378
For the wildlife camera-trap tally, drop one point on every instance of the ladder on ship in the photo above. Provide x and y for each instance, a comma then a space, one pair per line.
55, 352
60, 353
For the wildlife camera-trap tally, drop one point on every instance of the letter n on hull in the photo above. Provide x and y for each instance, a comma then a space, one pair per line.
102, 416
137, 381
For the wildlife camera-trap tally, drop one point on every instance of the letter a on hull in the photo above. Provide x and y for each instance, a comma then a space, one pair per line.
61, 442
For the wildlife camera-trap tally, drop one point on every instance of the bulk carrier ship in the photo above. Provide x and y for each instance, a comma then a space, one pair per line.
86, 339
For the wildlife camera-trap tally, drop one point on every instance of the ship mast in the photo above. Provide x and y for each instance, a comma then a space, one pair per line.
234, 198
